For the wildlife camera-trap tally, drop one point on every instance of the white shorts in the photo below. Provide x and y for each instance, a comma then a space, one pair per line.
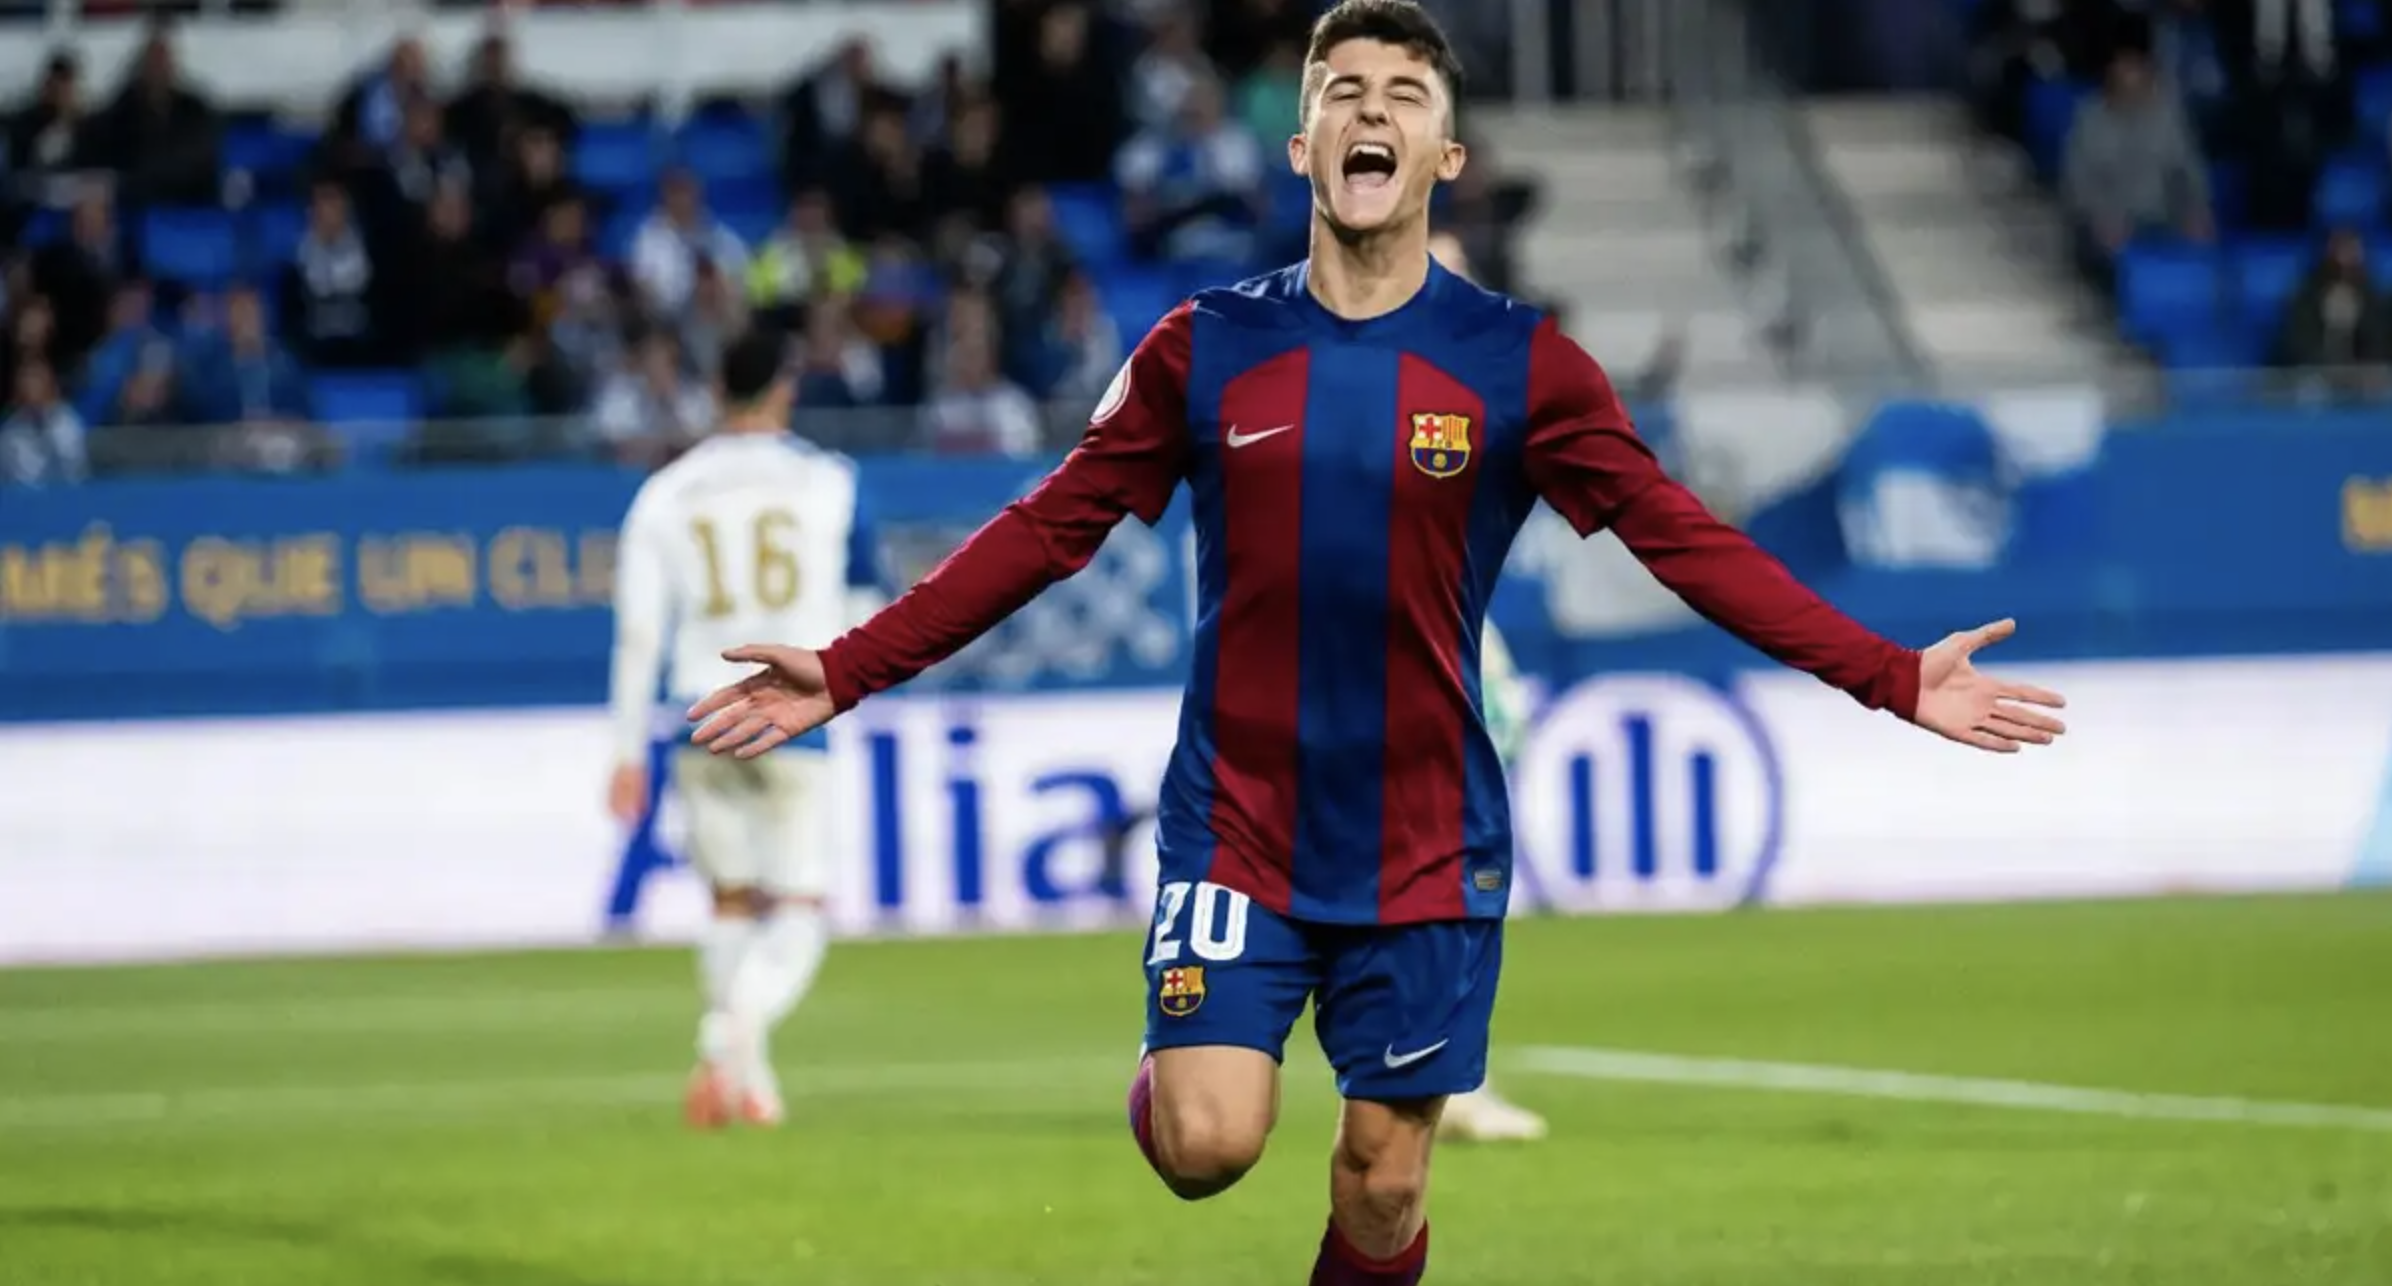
759, 823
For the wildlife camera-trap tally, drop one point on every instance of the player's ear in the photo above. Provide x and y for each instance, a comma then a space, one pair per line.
1450, 161
1297, 151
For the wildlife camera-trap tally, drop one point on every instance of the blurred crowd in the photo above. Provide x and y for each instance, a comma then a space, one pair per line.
2252, 133
905, 242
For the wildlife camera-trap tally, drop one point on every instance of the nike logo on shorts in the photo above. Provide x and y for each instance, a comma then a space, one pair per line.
1396, 1061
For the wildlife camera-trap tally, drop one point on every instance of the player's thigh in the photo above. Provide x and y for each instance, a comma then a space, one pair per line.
715, 794
788, 823
1226, 979
1404, 1011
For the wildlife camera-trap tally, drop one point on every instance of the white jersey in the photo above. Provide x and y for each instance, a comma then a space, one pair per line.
1503, 695
747, 538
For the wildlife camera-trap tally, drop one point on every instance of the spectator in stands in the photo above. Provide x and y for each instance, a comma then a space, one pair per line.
575, 312
1246, 35
977, 411
2132, 168
716, 315
78, 275
393, 193
453, 304
515, 198
1059, 93
932, 113
131, 377
806, 256
50, 135
494, 109
332, 297
2014, 43
1270, 96
371, 118
159, 136
824, 114
32, 334
675, 240
1484, 209
2337, 333
1033, 263
1193, 191
1079, 350
2182, 38
877, 186
837, 368
962, 175
238, 373
2291, 101
1171, 65
41, 438
652, 407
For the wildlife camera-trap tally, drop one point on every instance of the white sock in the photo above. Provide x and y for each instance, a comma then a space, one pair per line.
723, 945
775, 972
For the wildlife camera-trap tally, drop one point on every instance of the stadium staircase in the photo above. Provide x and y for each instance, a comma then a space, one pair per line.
1622, 243
1977, 257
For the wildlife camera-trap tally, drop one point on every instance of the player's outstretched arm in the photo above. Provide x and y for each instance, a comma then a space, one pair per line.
1128, 462
1587, 461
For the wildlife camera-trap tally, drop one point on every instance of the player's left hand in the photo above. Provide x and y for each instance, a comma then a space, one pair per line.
789, 697
1976, 709
627, 794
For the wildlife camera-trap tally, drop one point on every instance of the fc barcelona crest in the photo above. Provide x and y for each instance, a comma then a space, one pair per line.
1440, 443
1182, 990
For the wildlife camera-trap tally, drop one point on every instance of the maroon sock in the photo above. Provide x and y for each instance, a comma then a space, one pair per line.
1142, 1111
1341, 1264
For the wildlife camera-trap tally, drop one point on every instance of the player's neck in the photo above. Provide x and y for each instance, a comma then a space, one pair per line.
1367, 277
751, 425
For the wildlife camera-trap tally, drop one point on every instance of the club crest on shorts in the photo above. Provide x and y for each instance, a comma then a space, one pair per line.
1182, 990
1440, 443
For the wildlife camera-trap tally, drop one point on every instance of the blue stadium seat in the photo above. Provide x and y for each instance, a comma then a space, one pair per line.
2051, 113
2167, 289
619, 227
614, 155
2266, 272
746, 191
754, 221
274, 232
722, 149
2372, 102
265, 149
1137, 298
1088, 218
44, 226
372, 412
197, 247
2351, 192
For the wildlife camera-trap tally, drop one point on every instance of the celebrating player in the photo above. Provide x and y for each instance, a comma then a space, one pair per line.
1362, 434
753, 533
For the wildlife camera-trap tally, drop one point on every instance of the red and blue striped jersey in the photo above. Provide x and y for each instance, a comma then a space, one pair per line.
1356, 486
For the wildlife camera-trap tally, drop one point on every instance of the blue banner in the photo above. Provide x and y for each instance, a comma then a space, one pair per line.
466, 588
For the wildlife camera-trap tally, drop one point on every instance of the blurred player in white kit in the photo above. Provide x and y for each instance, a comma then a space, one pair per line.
754, 533
1482, 1115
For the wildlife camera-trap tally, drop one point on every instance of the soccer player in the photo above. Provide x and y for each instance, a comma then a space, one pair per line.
1481, 1115
1362, 435
752, 533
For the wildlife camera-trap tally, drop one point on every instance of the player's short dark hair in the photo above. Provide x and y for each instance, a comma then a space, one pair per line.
1402, 23
750, 366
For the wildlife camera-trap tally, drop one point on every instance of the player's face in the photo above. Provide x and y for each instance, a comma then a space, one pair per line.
1378, 136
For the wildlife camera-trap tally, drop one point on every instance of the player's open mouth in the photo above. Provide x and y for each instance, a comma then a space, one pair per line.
1368, 167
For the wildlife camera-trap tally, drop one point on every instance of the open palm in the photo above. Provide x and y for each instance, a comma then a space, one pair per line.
789, 697
1958, 701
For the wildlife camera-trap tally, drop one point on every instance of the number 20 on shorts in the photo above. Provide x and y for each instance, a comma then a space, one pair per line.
1214, 922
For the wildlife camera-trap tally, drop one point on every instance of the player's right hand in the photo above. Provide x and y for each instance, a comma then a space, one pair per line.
789, 697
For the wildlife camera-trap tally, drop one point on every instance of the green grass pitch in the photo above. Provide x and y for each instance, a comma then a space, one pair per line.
957, 1119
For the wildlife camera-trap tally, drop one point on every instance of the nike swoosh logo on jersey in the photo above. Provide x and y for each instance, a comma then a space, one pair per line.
1395, 1060
1237, 439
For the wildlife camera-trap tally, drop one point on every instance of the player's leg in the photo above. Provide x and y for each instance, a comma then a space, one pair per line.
708, 801
1226, 979
786, 829
1403, 1015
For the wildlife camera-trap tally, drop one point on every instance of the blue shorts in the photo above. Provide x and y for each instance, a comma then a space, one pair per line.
1402, 1010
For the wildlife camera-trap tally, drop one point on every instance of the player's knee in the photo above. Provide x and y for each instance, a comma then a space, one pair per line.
1202, 1150
1388, 1183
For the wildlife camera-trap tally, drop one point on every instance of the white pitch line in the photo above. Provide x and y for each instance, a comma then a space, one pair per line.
437, 1099
1916, 1087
